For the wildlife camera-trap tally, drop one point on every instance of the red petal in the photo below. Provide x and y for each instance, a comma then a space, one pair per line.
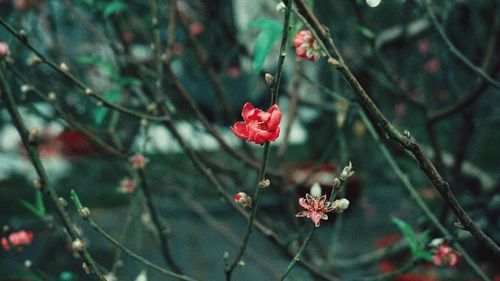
240, 130
247, 111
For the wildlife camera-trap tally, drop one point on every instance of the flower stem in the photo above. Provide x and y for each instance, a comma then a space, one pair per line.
262, 173
299, 254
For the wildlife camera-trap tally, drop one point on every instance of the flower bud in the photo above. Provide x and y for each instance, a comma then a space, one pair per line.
33, 134
88, 92
78, 245
269, 79
52, 96
315, 189
62, 202
347, 172
280, 7
243, 199
264, 183
84, 212
37, 183
27, 263
64, 67
23, 35
85, 268
340, 205
26, 88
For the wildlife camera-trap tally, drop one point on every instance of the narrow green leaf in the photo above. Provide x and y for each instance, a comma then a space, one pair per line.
114, 7
366, 32
76, 199
408, 233
31, 208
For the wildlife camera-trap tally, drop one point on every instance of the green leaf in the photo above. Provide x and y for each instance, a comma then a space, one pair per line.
424, 255
76, 199
114, 7
409, 234
40, 205
270, 31
366, 32
126, 81
30, 207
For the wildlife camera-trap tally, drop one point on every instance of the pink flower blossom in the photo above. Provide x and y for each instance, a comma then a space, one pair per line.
432, 66
127, 185
445, 255
315, 208
138, 161
196, 28
258, 126
4, 49
306, 45
243, 199
17, 239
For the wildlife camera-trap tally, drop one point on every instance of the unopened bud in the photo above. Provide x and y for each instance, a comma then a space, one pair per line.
241, 263
243, 199
84, 212
78, 245
336, 183
62, 202
269, 79
151, 107
144, 122
333, 62
85, 268
88, 92
340, 205
33, 134
264, 183
23, 35
27, 263
280, 7
33, 60
64, 67
26, 88
52, 96
315, 189
347, 172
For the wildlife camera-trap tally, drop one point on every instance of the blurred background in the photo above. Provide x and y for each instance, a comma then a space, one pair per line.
214, 56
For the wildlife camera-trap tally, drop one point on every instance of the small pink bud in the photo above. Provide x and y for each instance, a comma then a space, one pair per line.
127, 186
138, 161
196, 28
243, 199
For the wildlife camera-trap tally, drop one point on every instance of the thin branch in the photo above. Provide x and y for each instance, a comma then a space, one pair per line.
135, 256
24, 40
476, 69
405, 140
11, 105
155, 217
299, 254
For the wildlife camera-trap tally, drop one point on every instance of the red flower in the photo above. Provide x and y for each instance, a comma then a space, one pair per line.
445, 255
306, 46
243, 199
18, 238
258, 126
316, 207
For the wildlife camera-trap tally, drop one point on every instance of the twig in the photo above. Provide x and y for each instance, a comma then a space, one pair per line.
162, 232
299, 254
454, 49
24, 40
11, 105
136, 256
405, 140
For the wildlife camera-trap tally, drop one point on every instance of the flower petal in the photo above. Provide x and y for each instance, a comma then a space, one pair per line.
275, 118
247, 111
302, 214
303, 203
240, 130
316, 217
